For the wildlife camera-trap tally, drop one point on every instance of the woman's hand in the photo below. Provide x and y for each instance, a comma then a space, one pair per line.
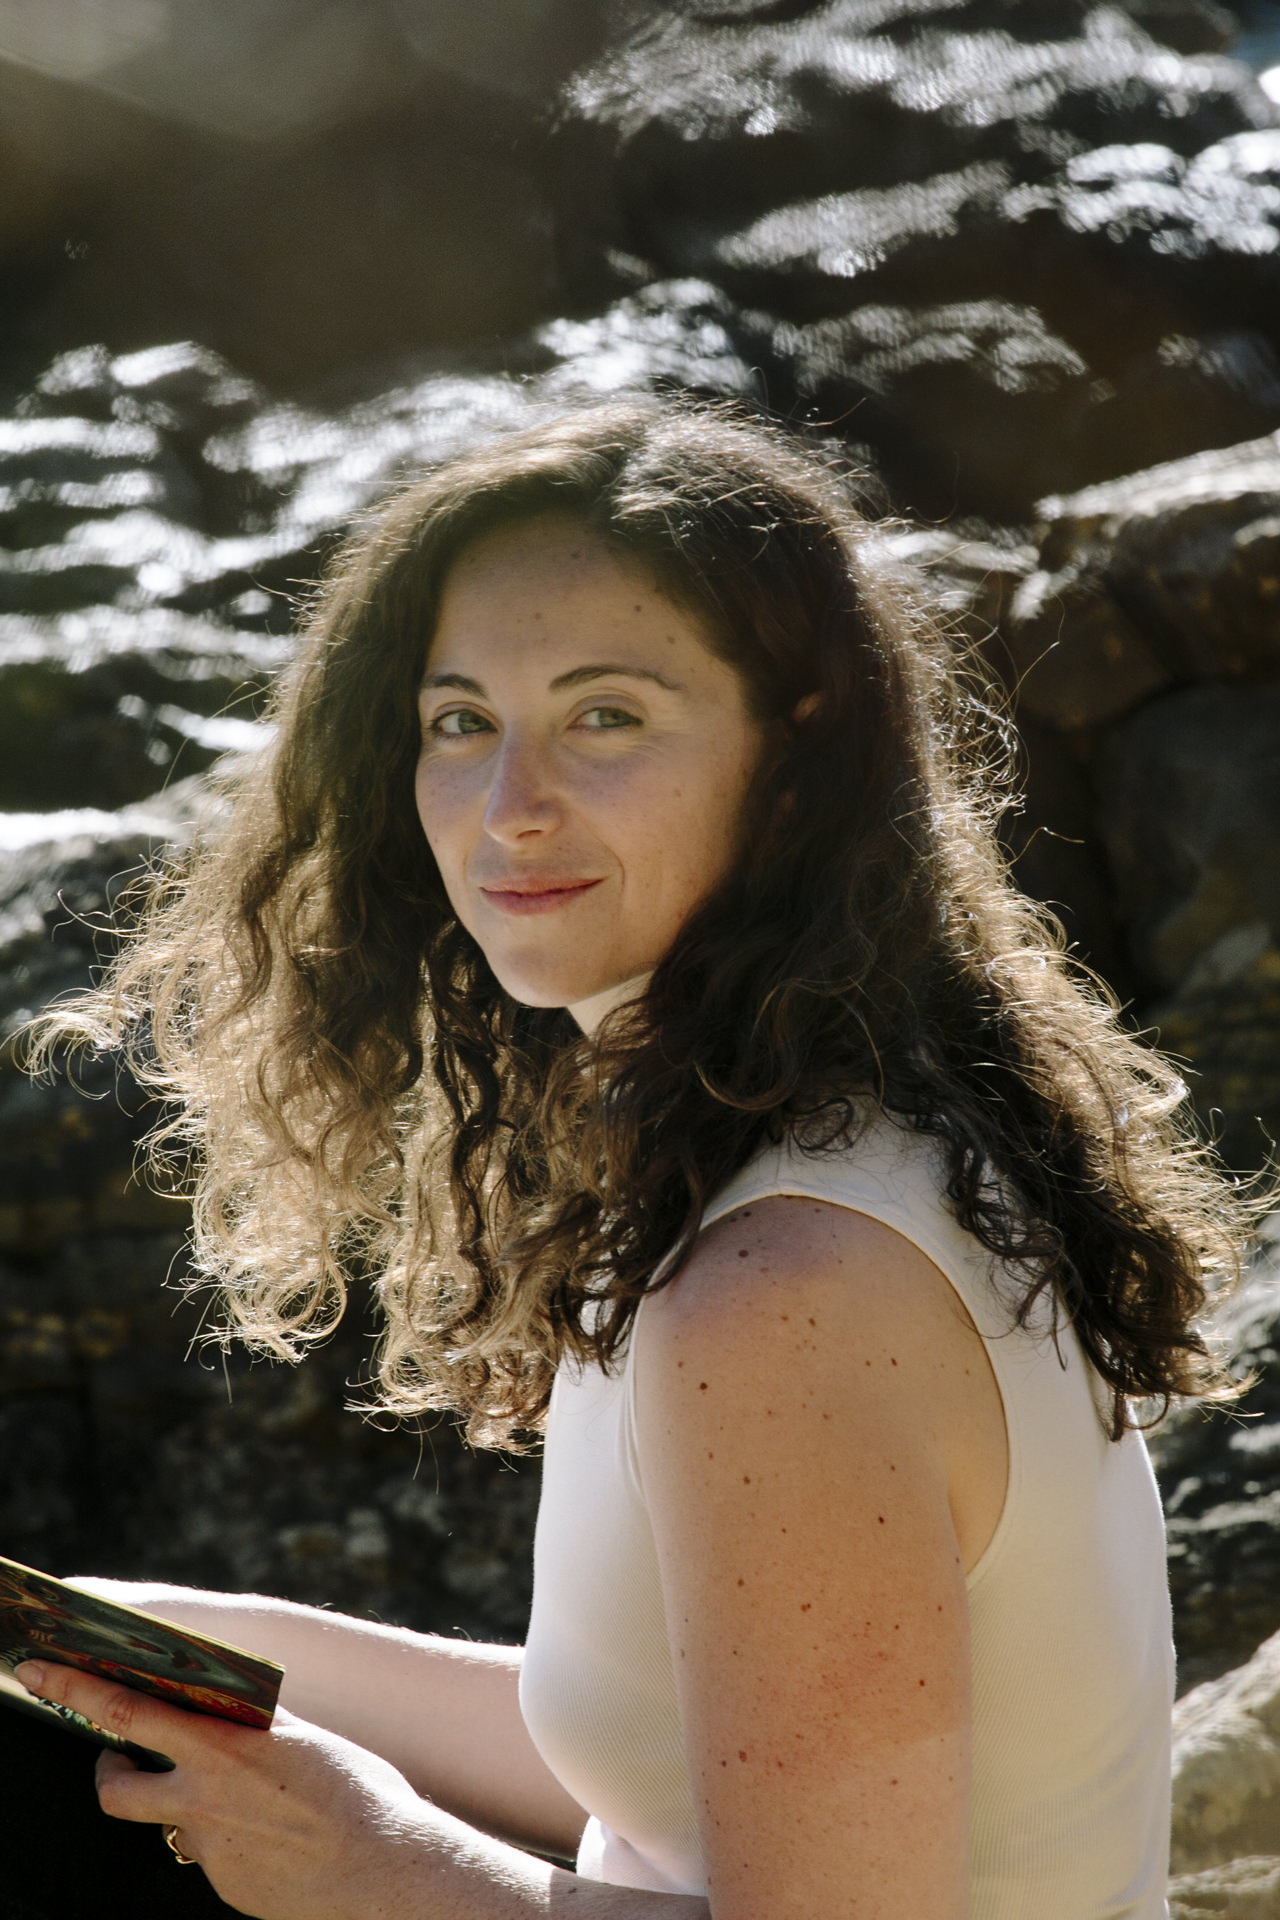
445, 1713
291, 1824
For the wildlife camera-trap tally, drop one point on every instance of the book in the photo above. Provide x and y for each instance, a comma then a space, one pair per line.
46, 1619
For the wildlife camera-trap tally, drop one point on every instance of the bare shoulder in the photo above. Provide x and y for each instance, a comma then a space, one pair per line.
791, 1279
833, 1329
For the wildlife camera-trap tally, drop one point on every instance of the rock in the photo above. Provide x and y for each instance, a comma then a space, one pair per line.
98, 707
962, 402
680, 333
1246, 1889
970, 572
999, 252
253, 490
264, 486
1190, 550
1226, 1766
307, 185
129, 1454
1058, 854
1189, 808
700, 117
1219, 1473
1073, 658
1225, 1021
53, 472
281, 67
66, 1161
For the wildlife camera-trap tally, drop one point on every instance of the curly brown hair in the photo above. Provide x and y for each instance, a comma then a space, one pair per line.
352, 1089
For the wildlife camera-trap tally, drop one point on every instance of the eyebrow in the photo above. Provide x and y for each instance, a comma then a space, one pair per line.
575, 677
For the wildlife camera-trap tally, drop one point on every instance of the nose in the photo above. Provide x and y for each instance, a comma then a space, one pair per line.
522, 801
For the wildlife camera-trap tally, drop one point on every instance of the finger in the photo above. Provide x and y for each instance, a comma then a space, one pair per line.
127, 1793
120, 1710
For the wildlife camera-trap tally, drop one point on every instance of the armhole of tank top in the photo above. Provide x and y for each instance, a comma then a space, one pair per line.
779, 1187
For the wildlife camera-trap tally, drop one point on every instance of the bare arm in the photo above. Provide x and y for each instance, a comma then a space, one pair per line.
807, 1397
444, 1713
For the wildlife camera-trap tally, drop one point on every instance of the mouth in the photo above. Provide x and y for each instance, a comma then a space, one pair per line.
532, 896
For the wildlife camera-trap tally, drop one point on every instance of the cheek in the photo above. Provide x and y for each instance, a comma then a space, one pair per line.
439, 810
690, 837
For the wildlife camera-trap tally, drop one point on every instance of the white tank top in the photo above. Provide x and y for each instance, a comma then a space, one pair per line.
1070, 1625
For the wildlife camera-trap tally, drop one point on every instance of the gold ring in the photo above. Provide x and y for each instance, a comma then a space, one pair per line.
171, 1841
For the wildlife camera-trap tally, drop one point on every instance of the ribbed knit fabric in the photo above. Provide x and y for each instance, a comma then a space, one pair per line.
1069, 1606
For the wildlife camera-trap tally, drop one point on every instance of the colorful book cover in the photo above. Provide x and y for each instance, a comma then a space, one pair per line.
45, 1619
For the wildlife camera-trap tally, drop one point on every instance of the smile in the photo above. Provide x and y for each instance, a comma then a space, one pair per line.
536, 899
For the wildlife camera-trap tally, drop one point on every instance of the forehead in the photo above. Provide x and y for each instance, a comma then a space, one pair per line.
552, 583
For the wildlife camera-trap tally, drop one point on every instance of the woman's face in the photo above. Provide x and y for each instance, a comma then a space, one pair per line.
584, 763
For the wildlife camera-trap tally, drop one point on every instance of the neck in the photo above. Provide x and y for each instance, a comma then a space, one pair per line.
589, 1013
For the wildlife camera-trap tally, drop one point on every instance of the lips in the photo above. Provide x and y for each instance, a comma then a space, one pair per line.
536, 895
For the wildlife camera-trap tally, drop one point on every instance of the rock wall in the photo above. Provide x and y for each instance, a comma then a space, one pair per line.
1024, 259
1226, 1794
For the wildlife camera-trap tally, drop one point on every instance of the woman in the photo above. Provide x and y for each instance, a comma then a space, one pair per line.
615, 950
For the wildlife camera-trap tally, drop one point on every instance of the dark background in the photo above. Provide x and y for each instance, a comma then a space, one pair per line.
260, 257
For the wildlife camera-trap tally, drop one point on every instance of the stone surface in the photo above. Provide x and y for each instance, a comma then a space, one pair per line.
1225, 1022
1073, 658
1189, 807
98, 706
1247, 1889
252, 1478
66, 1161
1005, 249
303, 184
981, 383
1189, 552
1219, 1472
1226, 1766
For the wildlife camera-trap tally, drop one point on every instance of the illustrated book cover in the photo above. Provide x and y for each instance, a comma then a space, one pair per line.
45, 1619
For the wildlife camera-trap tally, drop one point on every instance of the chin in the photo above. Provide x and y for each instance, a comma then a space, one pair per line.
555, 987
545, 990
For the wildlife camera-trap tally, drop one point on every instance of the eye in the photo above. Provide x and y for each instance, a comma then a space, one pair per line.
600, 719
459, 720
